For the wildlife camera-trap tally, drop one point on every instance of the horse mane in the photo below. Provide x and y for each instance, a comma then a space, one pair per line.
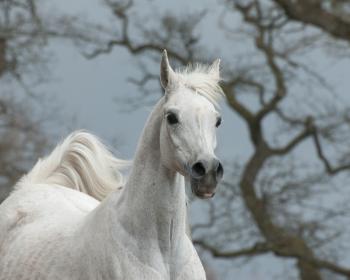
203, 79
81, 162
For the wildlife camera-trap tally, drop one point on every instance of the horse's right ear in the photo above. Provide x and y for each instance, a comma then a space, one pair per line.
167, 74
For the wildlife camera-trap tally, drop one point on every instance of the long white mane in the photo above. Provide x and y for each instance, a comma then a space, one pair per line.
203, 79
81, 162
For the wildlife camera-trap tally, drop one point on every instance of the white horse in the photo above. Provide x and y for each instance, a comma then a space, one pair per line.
54, 227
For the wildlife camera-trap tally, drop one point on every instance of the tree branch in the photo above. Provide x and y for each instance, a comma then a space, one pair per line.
121, 13
268, 51
305, 133
257, 249
311, 12
264, 247
243, 111
329, 168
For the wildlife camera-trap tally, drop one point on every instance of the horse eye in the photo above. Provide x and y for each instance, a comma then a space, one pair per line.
218, 122
172, 118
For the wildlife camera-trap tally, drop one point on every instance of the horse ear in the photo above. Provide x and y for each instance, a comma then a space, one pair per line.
167, 74
214, 68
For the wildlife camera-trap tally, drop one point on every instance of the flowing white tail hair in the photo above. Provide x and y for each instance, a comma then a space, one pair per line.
81, 162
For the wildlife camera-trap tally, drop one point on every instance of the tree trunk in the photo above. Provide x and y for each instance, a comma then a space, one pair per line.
308, 271
282, 242
2, 56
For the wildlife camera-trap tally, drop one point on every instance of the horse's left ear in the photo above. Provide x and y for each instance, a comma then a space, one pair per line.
167, 74
214, 68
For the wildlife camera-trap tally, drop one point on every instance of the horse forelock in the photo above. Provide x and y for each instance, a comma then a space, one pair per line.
201, 79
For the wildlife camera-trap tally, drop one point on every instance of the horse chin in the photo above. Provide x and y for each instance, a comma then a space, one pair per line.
201, 190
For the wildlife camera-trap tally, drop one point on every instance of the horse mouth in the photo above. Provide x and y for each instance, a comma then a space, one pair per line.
202, 192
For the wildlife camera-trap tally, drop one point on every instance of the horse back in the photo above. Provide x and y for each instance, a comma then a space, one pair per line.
36, 227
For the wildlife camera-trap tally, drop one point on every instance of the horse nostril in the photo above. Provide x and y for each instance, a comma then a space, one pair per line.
198, 169
219, 171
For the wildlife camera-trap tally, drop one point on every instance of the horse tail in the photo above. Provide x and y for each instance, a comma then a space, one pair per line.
81, 162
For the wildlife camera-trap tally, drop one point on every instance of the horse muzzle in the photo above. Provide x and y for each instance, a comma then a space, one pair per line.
204, 177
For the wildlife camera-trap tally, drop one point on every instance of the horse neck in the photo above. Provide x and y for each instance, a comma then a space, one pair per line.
154, 196
149, 217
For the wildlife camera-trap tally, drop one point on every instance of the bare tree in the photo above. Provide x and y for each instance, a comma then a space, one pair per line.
269, 203
24, 33
22, 141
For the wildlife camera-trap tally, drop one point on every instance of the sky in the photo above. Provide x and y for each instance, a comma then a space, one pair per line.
86, 91
91, 89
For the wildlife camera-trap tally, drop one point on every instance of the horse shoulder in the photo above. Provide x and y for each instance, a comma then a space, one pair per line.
193, 268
